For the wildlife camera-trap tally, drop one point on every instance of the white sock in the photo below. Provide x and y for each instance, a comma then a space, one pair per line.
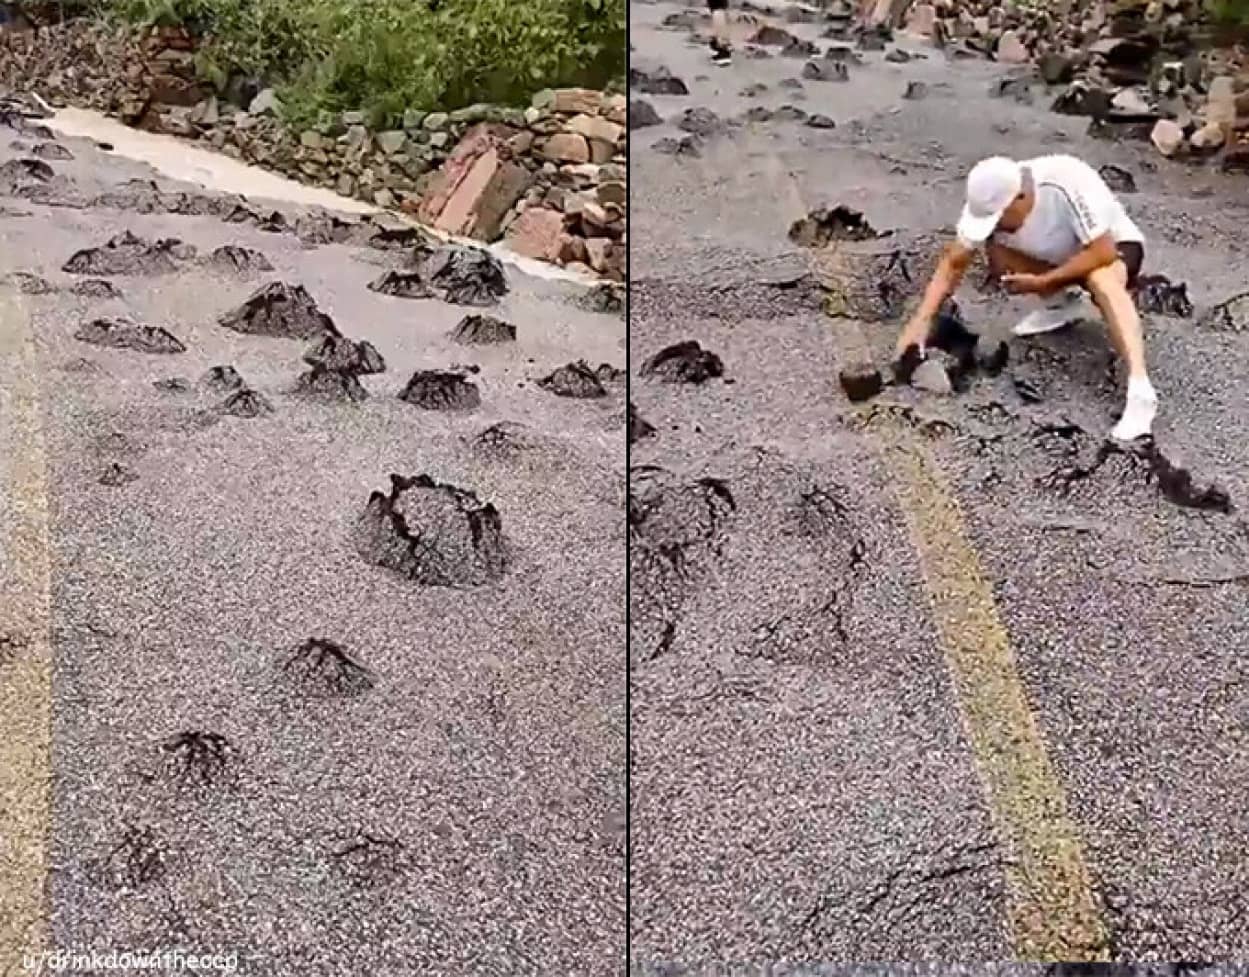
1138, 412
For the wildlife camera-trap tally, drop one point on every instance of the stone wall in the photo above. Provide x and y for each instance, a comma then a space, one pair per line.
551, 177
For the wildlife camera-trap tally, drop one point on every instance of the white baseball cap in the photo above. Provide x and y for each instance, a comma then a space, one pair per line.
992, 185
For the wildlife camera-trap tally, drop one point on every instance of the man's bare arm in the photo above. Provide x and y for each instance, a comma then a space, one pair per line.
1098, 254
944, 282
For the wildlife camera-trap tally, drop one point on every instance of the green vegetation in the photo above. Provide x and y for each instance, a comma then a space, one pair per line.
1229, 12
385, 56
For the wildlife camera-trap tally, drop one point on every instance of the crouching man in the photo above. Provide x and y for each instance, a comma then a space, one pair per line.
1052, 228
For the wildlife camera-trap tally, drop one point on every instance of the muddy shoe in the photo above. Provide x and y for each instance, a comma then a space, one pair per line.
1138, 414
1057, 312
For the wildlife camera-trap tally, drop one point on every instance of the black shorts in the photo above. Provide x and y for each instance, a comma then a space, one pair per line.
1132, 254
717, 4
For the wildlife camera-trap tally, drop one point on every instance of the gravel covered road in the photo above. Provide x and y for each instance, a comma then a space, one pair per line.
263, 740
927, 678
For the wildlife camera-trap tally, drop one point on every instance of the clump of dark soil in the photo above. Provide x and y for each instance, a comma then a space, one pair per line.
860, 382
1231, 315
246, 403
483, 330
223, 379
124, 334
687, 146
643, 114
506, 439
607, 298
281, 310
701, 122
825, 225
825, 70
29, 284
1161, 296
116, 475
198, 759
435, 534
441, 390
343, 355
96, 288
685, 362
465, 276
18, 176
321, 667
770, 36
404, 285
53, 151
237, 260
639, 427
661, 81
127, 254
574, 380
1117, 178
333, 386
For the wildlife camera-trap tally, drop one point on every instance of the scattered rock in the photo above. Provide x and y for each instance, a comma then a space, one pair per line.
466, 276
404, 285
639, 428
1167, 137
915, 90
821, 122
342, 355
701, 122
280, 310
826, 71
17, 176
771, 36
825, 225
932, 375
643, 114
121, 333
483, 330
435, 534
441, 390
574, 380
1011, 50
232, 258
223, 379
798, 48
685, 362
687, 146
246, 403
659, 82
127, 254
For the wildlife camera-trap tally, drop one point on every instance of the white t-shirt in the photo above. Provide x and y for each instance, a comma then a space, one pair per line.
1073, 208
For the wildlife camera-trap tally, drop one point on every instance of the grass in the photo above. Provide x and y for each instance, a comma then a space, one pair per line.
385, 56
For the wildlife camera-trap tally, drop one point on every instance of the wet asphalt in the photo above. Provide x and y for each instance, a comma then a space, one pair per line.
804, 787
463, 812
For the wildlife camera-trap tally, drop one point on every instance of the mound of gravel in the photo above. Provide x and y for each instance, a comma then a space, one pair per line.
404, 285
342, 355
281, 310
685, 362
237, 260
574, 380
246, 403
435, 534
121, 333
127, 254
332, 386
465, 276
441, 390
483, 330
223, 379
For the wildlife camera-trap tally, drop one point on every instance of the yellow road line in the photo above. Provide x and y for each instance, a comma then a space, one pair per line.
25, 650
1055, 912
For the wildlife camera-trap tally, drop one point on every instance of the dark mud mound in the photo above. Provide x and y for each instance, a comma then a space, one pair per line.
676, 528
824, 70
826, 225
860, 382
246, 403
281, 310
770, 36
223, 380
53, 151
642, 114
701, 122
199, 759
124, 334
320, 667
685, 362
29, 284
575, 380
343, 355
610, 374
661, 81
1118, 179
236, 260
117, 474
404, 285
441, 390
96, 288
130, 863
483, 330
687, 146
435, 534
1229, 316
1161, 296
465, 276
506, 440
639, 427
127, 254
331, 386
1142, 458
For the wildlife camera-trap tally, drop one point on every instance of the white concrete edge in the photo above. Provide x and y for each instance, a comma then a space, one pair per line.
187, 162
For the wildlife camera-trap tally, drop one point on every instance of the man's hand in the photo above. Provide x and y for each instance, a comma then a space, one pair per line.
1019, 283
